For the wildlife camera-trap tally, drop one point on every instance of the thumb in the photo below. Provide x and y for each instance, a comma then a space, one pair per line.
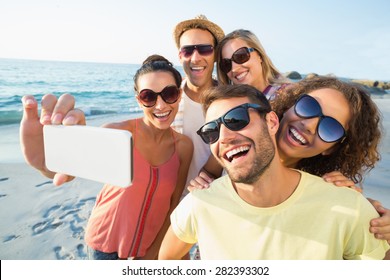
30, 108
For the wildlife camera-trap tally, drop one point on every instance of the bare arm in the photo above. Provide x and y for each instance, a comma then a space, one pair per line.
53, 111
172, 248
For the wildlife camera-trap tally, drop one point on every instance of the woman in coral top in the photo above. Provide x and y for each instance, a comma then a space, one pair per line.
131, 222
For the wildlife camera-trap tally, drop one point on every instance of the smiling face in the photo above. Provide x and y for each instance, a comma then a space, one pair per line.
198, 68
297, 137
246, 153
249, 72
162, 114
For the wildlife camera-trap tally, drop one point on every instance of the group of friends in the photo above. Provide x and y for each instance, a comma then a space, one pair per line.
239, 162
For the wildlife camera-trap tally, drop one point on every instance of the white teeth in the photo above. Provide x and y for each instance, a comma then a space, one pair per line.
233, 152
298, 136
197, 68
161, 115
242, 75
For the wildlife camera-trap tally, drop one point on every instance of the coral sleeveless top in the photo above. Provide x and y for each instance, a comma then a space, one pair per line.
127, 220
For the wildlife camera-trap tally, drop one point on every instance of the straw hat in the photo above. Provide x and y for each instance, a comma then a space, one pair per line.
200, 22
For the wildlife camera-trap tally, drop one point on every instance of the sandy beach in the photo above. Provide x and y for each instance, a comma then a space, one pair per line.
39, 221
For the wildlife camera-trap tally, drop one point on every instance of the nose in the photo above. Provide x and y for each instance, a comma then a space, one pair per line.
160, 103
310, 125
195, 56
225, 134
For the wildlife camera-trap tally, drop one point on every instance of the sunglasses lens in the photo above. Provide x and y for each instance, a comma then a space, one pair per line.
205, 49
170, 94
225, 65
236, 119
148, 97
209, 132
187, 50
330, 130
241, 56
307, 107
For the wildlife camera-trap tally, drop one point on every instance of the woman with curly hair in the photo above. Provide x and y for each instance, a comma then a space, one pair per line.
353, 153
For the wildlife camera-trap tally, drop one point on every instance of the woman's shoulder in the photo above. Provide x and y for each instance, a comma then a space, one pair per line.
183, 142
128, 125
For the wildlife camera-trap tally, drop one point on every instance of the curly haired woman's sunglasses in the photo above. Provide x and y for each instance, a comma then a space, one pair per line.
328, 129
240, 56
148, 98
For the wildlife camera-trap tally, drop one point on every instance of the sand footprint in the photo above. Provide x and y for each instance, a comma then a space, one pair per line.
44, 183
45, 226
10, 238
61, 254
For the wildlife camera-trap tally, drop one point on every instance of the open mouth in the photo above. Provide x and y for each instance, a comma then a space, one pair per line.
236, 153
197, 68
241, 75
162, 115
296, 136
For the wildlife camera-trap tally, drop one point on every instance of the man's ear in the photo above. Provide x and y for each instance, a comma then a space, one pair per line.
272, 122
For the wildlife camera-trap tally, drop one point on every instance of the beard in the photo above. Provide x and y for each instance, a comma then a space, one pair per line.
264, 154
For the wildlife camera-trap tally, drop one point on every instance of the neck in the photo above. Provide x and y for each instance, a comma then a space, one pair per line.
153, 133
194, 92
273, 187
261, 85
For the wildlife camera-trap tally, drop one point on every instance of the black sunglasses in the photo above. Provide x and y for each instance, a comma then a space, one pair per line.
328, 129
148, 98
187, 51
240, 56
234, 119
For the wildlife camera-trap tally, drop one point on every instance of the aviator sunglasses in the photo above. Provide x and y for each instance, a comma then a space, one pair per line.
187, 51
148, 98
234, 119
328, 129
240, 56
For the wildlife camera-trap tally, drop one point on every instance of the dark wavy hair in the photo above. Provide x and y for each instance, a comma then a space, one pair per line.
358, 153
155, 63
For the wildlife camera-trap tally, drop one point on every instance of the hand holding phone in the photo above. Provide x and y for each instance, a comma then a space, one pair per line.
95, 153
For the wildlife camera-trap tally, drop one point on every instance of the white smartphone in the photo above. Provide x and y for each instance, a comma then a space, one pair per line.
95, 153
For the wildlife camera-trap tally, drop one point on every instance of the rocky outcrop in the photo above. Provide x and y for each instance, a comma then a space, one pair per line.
294, 75
374, 84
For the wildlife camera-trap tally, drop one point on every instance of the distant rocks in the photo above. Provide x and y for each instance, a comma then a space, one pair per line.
372, 83
373, 86
294, 75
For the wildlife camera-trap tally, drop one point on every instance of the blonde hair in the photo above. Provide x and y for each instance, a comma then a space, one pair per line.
271, 73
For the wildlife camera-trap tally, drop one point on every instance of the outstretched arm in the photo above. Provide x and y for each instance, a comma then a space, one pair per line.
53, 111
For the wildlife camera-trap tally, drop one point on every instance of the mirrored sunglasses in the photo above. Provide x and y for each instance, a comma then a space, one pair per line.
187, 51
148, 98
328, 129
240, 56
235, 120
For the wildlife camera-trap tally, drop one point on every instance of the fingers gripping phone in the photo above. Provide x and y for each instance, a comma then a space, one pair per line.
95, 153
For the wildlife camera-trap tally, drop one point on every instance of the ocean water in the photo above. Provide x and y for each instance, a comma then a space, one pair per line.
99, 88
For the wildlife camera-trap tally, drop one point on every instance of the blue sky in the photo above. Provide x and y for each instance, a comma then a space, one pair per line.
349, 38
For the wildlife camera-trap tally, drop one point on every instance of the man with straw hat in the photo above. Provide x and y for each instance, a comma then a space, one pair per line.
196, 40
